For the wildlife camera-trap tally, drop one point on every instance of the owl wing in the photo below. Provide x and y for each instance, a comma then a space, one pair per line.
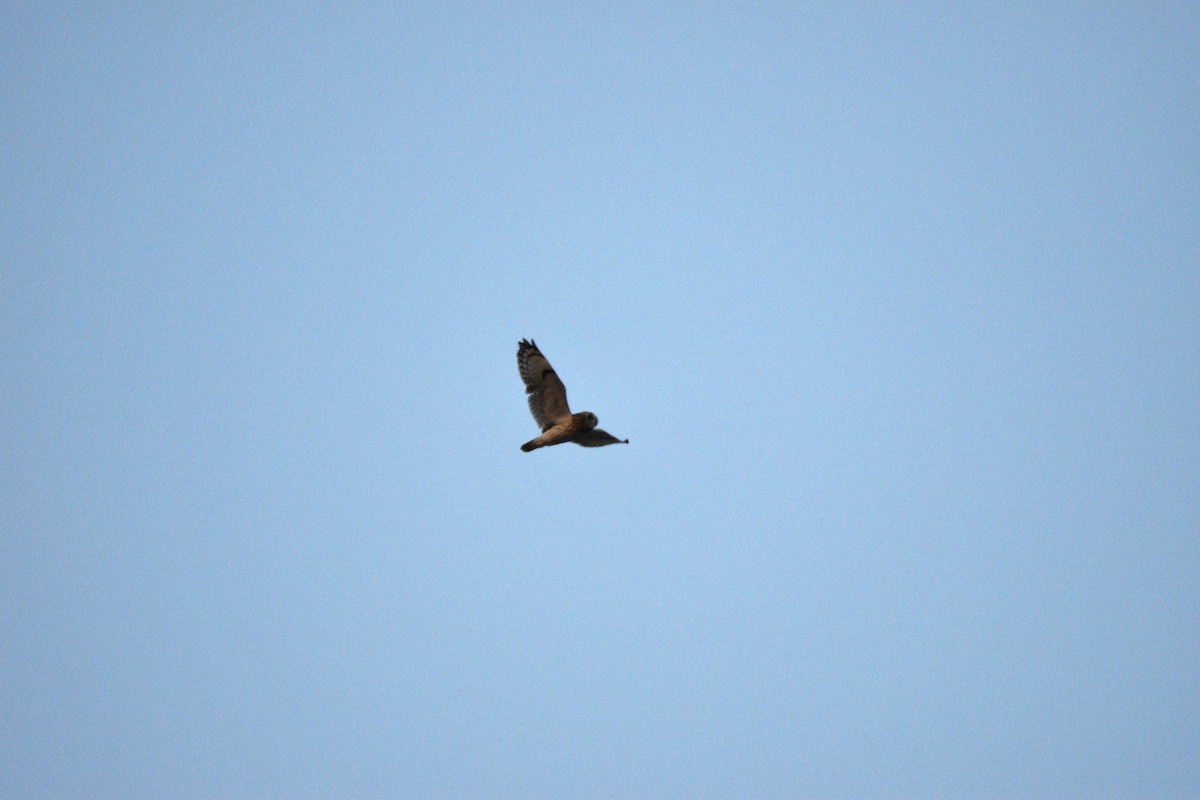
598, 438
547, 395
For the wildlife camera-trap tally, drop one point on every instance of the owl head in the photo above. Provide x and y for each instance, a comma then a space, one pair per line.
590, 419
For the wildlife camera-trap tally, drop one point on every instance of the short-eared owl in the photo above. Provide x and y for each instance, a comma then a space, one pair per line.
548, 404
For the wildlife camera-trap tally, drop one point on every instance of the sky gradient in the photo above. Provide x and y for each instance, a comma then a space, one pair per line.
899, 306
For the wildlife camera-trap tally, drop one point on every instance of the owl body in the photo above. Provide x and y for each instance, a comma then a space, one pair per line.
568, 430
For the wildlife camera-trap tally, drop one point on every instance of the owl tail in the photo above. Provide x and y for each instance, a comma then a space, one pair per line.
532, 444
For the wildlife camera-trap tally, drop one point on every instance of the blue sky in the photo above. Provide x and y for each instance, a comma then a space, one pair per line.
897, 305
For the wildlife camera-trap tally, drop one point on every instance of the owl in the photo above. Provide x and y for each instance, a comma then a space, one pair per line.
548, 404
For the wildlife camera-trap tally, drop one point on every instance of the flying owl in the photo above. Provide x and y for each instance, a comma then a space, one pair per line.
548, 404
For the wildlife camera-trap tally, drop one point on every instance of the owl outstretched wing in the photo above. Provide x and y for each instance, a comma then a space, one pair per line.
598, 438
547, 395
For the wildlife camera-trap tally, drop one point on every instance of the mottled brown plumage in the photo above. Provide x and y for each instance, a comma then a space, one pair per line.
548, 404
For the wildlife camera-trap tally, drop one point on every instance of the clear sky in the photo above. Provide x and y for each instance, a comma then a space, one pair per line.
899, 306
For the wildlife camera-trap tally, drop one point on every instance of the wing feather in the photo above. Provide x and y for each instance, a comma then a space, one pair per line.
598, 438
547, 395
